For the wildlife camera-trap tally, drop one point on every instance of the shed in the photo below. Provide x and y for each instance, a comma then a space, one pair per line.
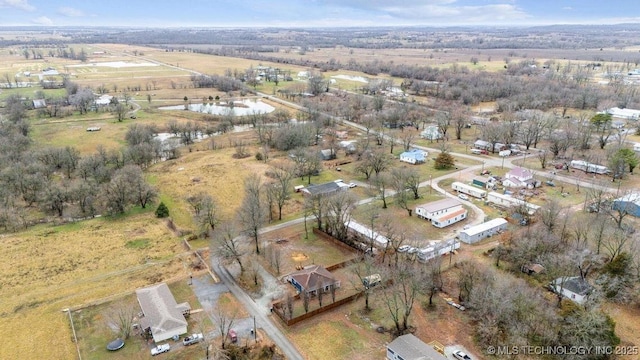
476, 233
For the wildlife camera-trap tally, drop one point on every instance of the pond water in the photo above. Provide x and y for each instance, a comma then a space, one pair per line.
240, 108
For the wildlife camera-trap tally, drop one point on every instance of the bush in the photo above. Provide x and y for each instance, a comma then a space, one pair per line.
162, 211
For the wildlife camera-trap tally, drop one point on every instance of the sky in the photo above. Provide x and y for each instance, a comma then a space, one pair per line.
314, 13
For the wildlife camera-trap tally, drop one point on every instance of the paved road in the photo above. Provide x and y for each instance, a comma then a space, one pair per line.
261, 314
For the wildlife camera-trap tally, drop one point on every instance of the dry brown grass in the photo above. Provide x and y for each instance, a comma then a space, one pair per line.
46, 269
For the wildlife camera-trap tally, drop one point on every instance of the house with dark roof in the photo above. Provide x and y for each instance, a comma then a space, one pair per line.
162, 317
574, 288
409, 347
312, 279
628, 204
443, 212
324, 189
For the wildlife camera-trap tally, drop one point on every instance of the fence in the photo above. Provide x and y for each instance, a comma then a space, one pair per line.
279, 309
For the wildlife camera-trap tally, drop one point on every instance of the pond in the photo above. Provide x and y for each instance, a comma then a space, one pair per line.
240, 108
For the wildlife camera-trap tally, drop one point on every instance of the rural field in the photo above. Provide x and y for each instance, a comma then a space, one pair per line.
85, 268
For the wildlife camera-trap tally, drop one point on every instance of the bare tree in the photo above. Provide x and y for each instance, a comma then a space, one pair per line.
252, 212
224, 322
227, 244
399, 297
121, 319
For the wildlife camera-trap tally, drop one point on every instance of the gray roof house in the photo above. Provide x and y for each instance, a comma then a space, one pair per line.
574, 288
409, 347
312, 279
324, 189
163, 317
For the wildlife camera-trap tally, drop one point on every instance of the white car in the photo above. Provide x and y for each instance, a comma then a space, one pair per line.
412, 250
463, 197
192, 339
352, 184
461, 355
404, 248
160, 349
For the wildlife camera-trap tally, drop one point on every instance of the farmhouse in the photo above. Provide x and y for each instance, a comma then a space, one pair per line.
324, 189
509, 201
443, 212
476, 233
575, 288
163, 317
414, 156
520, 178
312, 279
431, 133
629, 204
409, 347
627, 114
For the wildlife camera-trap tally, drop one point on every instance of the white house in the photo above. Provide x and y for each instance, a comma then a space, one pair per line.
414, 156
443, 212
627, 114
476, 233
509, 201
431, 133
368, 234
163, 317
575, 288
519, 178
437, 248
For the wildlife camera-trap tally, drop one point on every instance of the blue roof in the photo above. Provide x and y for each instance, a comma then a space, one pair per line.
415, 154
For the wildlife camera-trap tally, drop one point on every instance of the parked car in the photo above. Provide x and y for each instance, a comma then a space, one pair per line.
192, 339
463, 197
233, 336
352, 184
412, 250
460, 355
404, 248
160, 349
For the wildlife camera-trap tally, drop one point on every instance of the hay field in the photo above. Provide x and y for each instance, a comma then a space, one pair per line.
49, 268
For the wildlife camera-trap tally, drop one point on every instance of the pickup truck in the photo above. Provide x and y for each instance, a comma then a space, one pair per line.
160, 349
192, 339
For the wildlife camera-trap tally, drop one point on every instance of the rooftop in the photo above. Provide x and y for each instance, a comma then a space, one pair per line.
439, 205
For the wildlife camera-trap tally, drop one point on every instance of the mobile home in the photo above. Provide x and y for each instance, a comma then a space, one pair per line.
438, 248
476, 233
469, 190
589, 167
509, 201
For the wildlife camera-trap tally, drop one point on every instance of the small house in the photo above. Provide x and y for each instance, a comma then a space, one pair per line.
532, 269
431, 133
636, 147
520, 178
629, 204
313, 279
414, 156
327, 154
443, 212
324, 189
574, 288
409, 347
476, 233
39, 103
163, 318
482, 145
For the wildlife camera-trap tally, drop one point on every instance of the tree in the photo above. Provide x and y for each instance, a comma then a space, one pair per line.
162, 211
587, 329
121, 320
252, 212
283, 175
82, 100
399, 296
444, 161
206, 212
227, 243
225, 322
361, 270
602, 125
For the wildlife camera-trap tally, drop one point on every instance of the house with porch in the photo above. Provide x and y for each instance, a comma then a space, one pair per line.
313, 279
443, 212
520, 178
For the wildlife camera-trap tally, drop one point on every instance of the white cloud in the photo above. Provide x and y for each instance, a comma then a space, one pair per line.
484, 14
70, 12
567, 8
17, 4
42, 20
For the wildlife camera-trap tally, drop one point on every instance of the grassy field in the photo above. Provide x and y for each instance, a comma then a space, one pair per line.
50, 268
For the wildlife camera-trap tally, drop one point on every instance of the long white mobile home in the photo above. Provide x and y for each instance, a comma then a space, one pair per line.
474, 234
469, 190
509, 201
589, 167
438, 248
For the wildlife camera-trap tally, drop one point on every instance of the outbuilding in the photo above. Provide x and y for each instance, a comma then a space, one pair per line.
476, 233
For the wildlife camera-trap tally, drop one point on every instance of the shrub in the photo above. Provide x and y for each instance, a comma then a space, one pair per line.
162, 211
